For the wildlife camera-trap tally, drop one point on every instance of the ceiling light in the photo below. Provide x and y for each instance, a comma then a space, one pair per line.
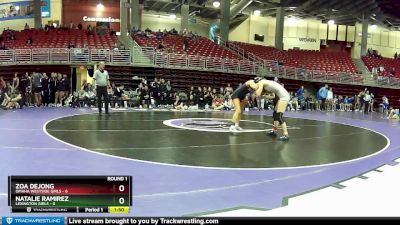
257, 12
331, 22
172, 16
373, 27
100, 7
216, 4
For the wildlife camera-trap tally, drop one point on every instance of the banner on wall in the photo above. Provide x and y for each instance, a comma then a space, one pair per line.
22, 10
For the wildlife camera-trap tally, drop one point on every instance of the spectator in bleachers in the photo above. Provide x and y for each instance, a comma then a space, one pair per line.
70, 45
71, 25
80, 27
26, 26
11, 37
90, 30
173, 31
29, 41
392, 72
160, 35
184, 32
161, 46
3, 46
395, 55
115, 48
185, 44
46, 28
369, 52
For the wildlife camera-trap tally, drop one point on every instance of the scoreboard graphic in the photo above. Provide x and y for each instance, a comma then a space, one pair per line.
75, 194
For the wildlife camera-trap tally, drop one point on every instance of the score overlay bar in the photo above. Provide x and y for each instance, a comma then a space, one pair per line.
69, 193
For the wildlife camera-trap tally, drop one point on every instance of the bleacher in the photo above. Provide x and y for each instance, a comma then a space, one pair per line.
388, 63
307, 59
204, 46
60, 39
263, 52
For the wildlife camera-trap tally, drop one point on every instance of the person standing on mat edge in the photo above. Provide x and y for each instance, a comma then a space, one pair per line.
102, 82
281, 99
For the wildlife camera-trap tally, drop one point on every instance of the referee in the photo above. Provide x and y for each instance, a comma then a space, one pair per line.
102, 82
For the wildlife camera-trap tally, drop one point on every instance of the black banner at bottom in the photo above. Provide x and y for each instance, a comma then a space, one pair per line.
179, 220
139, 221
60, 209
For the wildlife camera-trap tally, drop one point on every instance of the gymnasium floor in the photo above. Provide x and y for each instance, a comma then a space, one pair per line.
189, 160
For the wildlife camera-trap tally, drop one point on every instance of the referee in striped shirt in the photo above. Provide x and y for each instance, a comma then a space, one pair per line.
102, 82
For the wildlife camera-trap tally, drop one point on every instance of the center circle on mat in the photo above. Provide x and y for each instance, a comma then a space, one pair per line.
144, 136
216, 125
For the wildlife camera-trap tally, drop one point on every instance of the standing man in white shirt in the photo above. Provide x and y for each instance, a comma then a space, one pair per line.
102, 82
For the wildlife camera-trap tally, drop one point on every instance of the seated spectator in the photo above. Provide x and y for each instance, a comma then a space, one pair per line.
90, 30
46, 28
161, 46
392, 114
115, 48
217, 103
3, 46
14, 101
80, 27
148, 30
113, 33
29, 41
173, 31
185, 44
134, 30
392, 72
71, 25
26, 26
12, 37
70, 45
